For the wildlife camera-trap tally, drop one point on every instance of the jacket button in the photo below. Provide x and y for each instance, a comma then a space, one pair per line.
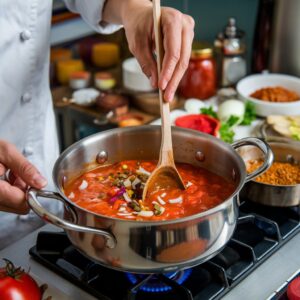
28, 151
26, 98
25, 35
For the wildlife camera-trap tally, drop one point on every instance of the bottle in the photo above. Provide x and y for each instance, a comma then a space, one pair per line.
231, 50
263, 36
199, 80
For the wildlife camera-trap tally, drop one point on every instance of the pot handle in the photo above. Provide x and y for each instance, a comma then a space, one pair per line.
32, 198
264, 147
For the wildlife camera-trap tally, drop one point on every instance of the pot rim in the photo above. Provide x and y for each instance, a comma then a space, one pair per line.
202, 214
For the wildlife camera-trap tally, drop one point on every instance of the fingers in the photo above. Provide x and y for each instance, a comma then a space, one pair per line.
2, 169
147, 62
171, 29
17, 181
12, 199
20, 166
182, 64
178, 34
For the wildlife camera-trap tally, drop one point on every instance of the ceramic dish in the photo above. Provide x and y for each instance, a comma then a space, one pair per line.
250, 84
133, 77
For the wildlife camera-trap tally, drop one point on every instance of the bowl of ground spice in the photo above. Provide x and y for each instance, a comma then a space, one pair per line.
271, 93
280, 184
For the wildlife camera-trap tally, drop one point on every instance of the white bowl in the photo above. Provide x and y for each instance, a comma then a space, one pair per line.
134, 78
250, 84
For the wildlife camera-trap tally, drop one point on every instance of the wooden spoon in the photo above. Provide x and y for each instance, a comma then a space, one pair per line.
165, 175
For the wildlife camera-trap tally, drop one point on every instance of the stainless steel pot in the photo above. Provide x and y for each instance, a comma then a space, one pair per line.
149, 247
268, 194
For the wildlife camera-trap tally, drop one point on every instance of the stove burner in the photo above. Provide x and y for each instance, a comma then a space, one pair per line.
154, 284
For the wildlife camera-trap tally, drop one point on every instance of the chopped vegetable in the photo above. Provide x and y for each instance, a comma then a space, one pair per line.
163, 195
117, 195
250, 113
188, 184
158, 210
160, 200
135, 182
176, 200
226, 130
202, 122
142, 171
124, 167
193, 106
209, 111
146, 213
126, 197
127, 183
231, 108
71, 195
83, 185
135, 206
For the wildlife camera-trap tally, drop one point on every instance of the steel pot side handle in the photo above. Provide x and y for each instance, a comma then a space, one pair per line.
35, 205
264, 147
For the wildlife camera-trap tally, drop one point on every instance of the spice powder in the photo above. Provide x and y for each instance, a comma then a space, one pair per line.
280, 173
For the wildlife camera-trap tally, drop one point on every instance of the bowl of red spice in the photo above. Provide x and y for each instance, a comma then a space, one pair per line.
271, 93
280, 184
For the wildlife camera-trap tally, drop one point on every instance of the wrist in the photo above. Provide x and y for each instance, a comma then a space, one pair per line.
131, 7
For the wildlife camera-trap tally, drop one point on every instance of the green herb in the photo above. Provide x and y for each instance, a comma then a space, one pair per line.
157, 210
226, 129
250, 113
209, 111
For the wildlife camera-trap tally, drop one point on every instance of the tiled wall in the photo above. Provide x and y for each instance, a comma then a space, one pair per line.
211, 16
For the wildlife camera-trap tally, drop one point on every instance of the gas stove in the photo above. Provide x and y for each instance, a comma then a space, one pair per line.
261, 234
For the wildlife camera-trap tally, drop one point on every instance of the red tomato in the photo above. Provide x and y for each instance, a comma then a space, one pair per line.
203, 123
15, 284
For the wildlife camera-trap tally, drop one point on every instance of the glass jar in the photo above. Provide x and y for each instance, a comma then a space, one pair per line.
199, 80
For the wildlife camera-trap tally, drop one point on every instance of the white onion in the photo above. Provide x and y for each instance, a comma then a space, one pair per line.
188, 184
176, 200
135, 182
161, 201
193, 106
126, 197
231, 108
127, 183
83, 185
124, 214
163, 195
71, 196
122, 209
141, 170
146, 213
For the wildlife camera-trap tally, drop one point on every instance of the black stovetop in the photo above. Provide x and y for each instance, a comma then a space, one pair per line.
260, 232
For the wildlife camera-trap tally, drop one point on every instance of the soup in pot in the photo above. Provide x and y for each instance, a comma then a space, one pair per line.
116, 191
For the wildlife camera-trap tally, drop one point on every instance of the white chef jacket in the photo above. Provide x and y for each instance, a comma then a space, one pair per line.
26, 112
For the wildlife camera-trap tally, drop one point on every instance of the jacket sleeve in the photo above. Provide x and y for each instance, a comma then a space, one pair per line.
91, 13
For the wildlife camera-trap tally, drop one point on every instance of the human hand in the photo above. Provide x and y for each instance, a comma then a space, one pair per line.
177, 32
21, 175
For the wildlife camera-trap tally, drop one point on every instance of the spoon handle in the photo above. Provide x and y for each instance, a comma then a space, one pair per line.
166, 150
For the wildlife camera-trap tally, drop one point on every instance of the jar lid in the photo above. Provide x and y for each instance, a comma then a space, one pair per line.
201, 50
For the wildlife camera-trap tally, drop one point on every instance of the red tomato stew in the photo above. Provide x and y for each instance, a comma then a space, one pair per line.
116, 191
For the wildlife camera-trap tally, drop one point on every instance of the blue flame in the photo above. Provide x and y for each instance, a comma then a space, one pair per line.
154, 285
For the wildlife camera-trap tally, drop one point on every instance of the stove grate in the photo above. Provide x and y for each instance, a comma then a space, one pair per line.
260, 232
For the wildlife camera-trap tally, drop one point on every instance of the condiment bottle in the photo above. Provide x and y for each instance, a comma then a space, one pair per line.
199, 80
230, 50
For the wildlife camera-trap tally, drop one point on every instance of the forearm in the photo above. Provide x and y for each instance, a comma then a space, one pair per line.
117, 11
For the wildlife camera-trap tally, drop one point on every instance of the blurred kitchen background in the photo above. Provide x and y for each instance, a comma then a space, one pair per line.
234, 37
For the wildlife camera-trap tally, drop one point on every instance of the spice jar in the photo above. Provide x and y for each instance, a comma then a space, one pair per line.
199, 80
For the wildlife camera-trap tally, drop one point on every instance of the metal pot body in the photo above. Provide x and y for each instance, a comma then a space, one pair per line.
268, 194
143, 246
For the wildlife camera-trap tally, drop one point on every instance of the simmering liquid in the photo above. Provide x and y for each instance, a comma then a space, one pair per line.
116, 191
